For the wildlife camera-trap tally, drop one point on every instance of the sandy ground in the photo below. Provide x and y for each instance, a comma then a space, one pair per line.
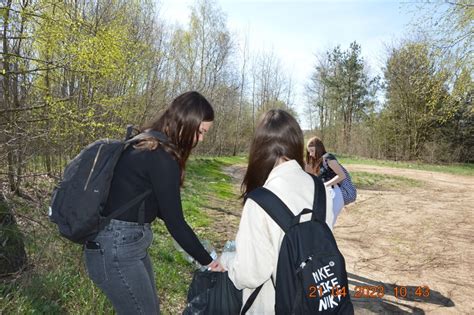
401, 239
413, 237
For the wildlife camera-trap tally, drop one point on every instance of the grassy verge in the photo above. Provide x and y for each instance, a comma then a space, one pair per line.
458, 169
56, 282
365, 180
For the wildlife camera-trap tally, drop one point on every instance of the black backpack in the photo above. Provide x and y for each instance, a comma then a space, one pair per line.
311, 273
77, 202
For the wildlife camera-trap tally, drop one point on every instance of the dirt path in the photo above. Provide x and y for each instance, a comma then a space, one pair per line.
407, 238
412, 237
226, 214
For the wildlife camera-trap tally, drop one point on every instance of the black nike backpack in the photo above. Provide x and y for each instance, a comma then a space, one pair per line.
78, 200
311, 275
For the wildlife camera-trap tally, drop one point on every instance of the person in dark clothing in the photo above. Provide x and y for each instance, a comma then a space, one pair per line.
117, 260
326, 166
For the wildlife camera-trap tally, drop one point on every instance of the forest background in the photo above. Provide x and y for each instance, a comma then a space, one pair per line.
75, 71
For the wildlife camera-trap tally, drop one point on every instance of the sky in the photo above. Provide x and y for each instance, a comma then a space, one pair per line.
296, 30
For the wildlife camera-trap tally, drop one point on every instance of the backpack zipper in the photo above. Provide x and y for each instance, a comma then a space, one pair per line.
93, 166
310, 258
303, 264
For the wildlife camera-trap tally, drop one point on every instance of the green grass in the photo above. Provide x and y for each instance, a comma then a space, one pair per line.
205, 177
458, 168
56, 281
365, 180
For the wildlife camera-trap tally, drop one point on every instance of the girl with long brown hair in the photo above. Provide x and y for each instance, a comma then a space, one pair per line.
117, 259
326, 167
276, 162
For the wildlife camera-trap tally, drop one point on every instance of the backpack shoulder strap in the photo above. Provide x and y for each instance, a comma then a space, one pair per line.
279, 211
148, 133
250, 300
106, 220
156, 134
129, 132
273, 206
329, 156
319, 201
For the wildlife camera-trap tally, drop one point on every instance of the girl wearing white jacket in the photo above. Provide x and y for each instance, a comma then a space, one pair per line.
276, 163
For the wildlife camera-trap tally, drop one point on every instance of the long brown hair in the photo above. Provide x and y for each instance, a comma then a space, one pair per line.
180, 122
277, 135
319, 151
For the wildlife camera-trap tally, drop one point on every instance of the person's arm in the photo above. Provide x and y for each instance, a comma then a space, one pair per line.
165, 179
340, 175
253, 261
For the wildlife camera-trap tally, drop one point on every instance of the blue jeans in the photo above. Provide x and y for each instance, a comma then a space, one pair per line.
122, 269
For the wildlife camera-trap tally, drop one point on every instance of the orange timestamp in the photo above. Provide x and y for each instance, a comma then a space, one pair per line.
398, 291
318, 291
419, 291
371, 291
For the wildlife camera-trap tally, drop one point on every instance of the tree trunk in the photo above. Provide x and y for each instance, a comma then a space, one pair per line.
12, 252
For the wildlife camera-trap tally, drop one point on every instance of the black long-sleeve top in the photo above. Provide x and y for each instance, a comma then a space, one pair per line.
140, 170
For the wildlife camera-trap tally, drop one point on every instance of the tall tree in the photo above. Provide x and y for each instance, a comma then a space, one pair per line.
316, 93
339, 90
415, 95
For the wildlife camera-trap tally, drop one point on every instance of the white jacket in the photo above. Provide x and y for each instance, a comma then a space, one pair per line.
259, 238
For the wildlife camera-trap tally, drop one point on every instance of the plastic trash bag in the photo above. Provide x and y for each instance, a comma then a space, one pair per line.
207, 246
212, 293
